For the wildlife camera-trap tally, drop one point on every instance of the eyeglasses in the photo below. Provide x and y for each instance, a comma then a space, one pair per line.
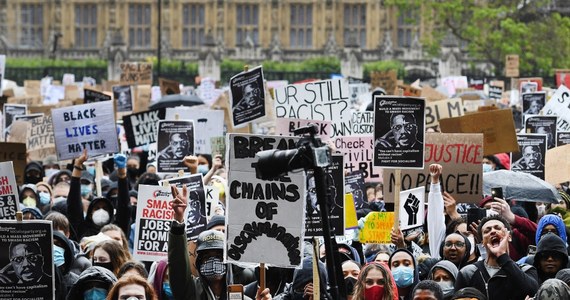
456, 244
407, 127
32, 258
534, 155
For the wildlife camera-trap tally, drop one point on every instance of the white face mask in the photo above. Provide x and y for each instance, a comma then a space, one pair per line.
541, 210
100, 217
446, 287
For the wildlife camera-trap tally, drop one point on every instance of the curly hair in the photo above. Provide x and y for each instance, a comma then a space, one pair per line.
128, 280
360, 285
491, 218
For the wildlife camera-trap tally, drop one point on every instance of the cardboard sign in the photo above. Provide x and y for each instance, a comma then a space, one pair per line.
175, 141
142, 97
2, 69
357, 89
141, 128
532, 103
123, 95
496, 90
361, 124
384, 79
15, 152
399, 132
26, 258
412, 206
497, 126
8, 191
358, 155
54, 94
28, 100
265, 219
459, 154
512, 65
529, 84
41, 139
213, 204
9, 111
559, 105
562, 138
218, 145
68, 79
437, 110
136, 73
326, 100
557, 165
410, 91
18, 131
247, 96
168, 87
530, 158
90, 96
286, 127
542, 125
208, 123
154, 215
454, 83
88, 126
377, 228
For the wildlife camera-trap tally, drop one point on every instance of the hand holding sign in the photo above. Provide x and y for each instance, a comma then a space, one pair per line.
412, 207
179, 202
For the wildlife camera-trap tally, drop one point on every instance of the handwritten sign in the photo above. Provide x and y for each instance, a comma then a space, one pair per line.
377, 228
8, 191
384, 79
286, 127
559, 105
442, 109
136, 73
512, 65
141, 128
15, 152
358, 155
41, 139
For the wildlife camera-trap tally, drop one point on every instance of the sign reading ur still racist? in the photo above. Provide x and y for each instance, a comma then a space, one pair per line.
141, 128
8, 191
265, 219
88, 126
459, 154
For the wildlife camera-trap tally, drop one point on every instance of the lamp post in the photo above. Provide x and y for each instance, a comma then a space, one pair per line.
159, 41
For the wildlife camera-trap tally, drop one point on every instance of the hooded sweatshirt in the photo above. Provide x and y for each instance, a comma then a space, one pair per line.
465, 260
410, 294
302, 276
549, 243
450, 268
551, 220
553, 289
102, 276
69, 278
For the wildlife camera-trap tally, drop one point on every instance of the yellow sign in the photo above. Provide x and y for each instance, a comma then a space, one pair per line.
377, 228
350, 219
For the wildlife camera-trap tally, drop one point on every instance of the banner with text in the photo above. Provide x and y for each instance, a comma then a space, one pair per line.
8, 191
559, 105
141, 128
209, 123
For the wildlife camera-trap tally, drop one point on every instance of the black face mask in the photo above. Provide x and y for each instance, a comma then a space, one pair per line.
132, 172
133, 213
106, 265
33, 180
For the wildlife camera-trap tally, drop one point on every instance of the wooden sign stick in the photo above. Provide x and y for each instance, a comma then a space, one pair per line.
261, 276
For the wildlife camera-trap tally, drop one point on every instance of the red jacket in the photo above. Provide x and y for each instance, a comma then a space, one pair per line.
523, 232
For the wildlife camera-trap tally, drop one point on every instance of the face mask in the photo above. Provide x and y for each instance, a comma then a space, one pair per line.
33, 180
487, 168
29, 202
541, 210
404, 276
44, 198
106, 265
132, 172
95, 294
446, 287
374, 292
85, 190
100, 217
167, 291
213, 268
59, 199
203, 169
58, 256
472, 241
51, 172
91, 171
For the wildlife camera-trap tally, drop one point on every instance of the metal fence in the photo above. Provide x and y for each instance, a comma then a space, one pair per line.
20, 74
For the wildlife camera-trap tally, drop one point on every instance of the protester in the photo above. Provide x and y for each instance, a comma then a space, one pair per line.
132, 286
445, 274
403, 266
302, 285
61, 176
427, 290
468, 293
93, 283
44, 196
159, 279
33, 173
551, 256
553, 289
63, 259
29, 195
132, 268
110, 255
456, 248
350, 268
375, 282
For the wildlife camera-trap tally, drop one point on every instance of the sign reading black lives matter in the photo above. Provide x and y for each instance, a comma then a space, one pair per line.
399, 132
154, 214
8, 191
335, 183
247, 96
562, 138
530, 159
140, 128
196, 212
175, 141
26, 260
542, 125
88, 126
265, 219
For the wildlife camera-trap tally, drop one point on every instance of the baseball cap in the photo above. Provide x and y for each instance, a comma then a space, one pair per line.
215, 221
210, 240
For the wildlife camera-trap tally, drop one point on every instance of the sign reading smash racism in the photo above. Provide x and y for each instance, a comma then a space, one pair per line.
265, 219
154, 215
141, 128
327, 100
88, 126
460, 155
8, 191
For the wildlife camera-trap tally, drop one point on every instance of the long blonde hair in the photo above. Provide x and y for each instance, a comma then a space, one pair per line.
360, 285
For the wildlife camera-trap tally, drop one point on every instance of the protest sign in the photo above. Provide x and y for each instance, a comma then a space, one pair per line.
123, 96
41, 139
28, 100
562, 77
361, 124
142, 97
2, 69
140, 128
286, 127
532, 103
412, 206
27, 118
562, 138
399, 132
54, 94
68, 79
136, 73
542, 125
384, 79
213, 204
350, 218
409, 90
377, 228
453, 83
357, 89
557, 167
208, 123
512, 65
8, 191
88, 126
10, 111
17, 132
354, 184
247, 96
168, 86
334, 174
529, 85
196, 212
432, 94
218, 145
559, 105
175, 141
460, 155
496, 90
358, 155
154, 215
90, 96
26, 258
265, 219
497, 126
15, 152
530, 158
442, 109
326, 100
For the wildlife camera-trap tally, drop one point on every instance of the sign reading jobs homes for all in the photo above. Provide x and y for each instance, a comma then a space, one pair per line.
265, 219
88, 126
459, 154
141, 128
327, 100
8, 191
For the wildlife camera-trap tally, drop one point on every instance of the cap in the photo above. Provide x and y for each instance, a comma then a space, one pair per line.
210, 240
85, 175
35, 212
215, 221
485, 200
50, 160
29, 186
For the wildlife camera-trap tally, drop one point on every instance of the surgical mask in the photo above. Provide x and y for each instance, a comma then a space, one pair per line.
85, 190
106, 265
473, 245
213, 268
44, 198
91, 171
541, 210
58, 256
59, 199
404, 276
51, 172
167, 290
446, 287
374, 292
487, 168
95, 294
203, 169
29, 202
100, 217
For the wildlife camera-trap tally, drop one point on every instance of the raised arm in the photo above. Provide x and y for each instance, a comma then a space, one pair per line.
436, 218
123, 217
74, 201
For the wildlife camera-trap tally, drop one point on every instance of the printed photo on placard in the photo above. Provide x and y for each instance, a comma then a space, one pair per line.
123, 97
90, 96
532, 103
10, 111
175, 141
531, 156
542, 125
354, 184
562, 138
247, 96
528, 87
399, 132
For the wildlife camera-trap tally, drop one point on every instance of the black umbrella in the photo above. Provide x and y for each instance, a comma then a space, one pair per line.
177, 100
520, 186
